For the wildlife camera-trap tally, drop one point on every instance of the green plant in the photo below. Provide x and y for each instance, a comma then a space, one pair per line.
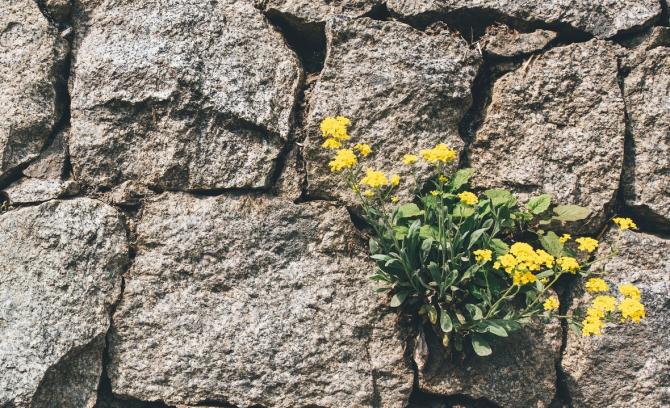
474, 266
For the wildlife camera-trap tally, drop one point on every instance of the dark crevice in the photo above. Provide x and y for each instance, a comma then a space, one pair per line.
422, 399
562, 398
665, 15
307, 40
472, 23
379, 12
60, 25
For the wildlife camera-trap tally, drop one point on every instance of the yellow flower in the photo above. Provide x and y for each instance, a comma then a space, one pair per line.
629, 291
335, 127
604, 303
331, 143
565, 238
395, 180
483, 255
468, 198
595, 285
363, 148
394, 199
344, 159
443, 178
551, 303
592, 325
374, 179
440, 153
521, 278
568, 264
508, 262
544, 258
632, 309
624, 223
369, 193
587, 244
409, 159
435, 193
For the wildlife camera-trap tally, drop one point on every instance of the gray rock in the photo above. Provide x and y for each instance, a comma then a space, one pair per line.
601, 18
521, 372
647, 170
192, 96
556, 125
311, 12
51, 163
253, 300
503, 41
403, 89
32, 190
59, 276
629, 366
31, 61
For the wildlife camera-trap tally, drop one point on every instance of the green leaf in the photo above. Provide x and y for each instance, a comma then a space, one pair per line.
552, 244
493, 328
475, 311
499, 247
460, 178
481, 345
508, 325
398, 299
463, 211
374, 246
570, 212
445, 322
432, 314
400, 232
408, 211
499, 196
538, 205
474, 237
428, 231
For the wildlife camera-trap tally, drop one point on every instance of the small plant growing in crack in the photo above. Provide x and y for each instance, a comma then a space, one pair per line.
474, 266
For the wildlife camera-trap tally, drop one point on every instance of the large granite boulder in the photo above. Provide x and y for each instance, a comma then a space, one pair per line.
403, 89
503, 378
647, 175
197, 95
600, 18
31, 64
59, 277
629, 365
253, 300
556, 125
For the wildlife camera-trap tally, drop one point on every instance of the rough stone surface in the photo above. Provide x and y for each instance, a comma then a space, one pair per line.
504, 377
192, 96
629, 366
647, 170
556, 125
503, 41
60, 273
31, 58
31, 190
601, 18
253, 300
408, 95
51, 162
317, 11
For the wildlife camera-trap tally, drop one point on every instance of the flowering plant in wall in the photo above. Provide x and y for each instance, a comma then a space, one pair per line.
473, 266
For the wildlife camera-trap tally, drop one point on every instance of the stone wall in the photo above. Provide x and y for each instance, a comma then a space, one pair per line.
171, 237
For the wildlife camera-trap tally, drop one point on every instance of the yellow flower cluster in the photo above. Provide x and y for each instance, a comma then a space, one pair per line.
468, 198
624, 223
409, 159
374, 179
595, 285
439, 154
363, 148
335, 127
592, 325
565, 238
551, 303
630, 291
568, 264
587, 244
630, 307
395, 180
483, 255
522, 260
344, 159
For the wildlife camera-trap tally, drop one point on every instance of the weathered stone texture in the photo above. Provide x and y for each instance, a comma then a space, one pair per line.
503, 41
647, 175
556, 125
404, 90
60, 273
197, 95
31, 58
317, 11
520, 373
629, 366
253, 301
601, 18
